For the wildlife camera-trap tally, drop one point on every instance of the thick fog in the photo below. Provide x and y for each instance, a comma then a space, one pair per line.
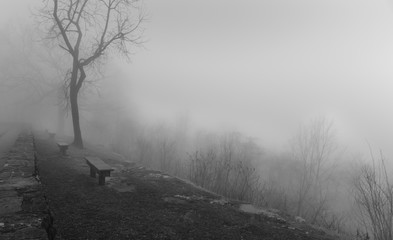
250, 74
264, 67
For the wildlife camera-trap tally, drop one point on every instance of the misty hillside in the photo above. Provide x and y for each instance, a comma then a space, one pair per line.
283, 105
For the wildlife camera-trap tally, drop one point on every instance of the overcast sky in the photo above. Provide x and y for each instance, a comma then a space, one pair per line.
263, 67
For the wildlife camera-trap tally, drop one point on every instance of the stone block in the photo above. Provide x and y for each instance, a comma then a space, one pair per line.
10, 205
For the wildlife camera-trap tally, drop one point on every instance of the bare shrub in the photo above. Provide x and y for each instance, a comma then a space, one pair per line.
313, 148
225, 166
374, 197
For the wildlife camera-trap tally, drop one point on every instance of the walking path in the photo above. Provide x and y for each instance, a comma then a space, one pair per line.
8, 136
45, 195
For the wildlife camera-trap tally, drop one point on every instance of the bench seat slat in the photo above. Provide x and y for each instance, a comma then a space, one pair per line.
98, 164
62, 144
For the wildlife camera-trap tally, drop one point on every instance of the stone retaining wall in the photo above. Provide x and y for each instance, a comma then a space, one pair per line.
24, 212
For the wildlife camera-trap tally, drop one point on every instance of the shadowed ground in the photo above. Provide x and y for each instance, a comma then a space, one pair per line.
137, 203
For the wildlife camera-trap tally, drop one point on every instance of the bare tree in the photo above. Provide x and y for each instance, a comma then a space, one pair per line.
313, 147
87, 30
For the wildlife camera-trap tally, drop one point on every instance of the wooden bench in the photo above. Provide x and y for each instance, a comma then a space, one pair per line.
63, 148
98, 166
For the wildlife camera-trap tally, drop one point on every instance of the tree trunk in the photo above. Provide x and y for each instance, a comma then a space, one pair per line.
74, 90
75, 117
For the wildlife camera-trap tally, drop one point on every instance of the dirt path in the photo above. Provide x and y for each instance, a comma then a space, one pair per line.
8, 136
137, 203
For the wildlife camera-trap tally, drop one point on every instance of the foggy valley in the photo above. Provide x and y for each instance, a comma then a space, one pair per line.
286, 105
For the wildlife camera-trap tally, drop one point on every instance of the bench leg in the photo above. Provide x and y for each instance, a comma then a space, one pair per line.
101, 179
92, 172
63, 150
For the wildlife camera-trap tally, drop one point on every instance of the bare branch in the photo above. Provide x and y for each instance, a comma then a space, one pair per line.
60, 26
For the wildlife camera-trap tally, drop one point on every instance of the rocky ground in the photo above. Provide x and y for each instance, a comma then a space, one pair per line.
23, 208
137, 203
